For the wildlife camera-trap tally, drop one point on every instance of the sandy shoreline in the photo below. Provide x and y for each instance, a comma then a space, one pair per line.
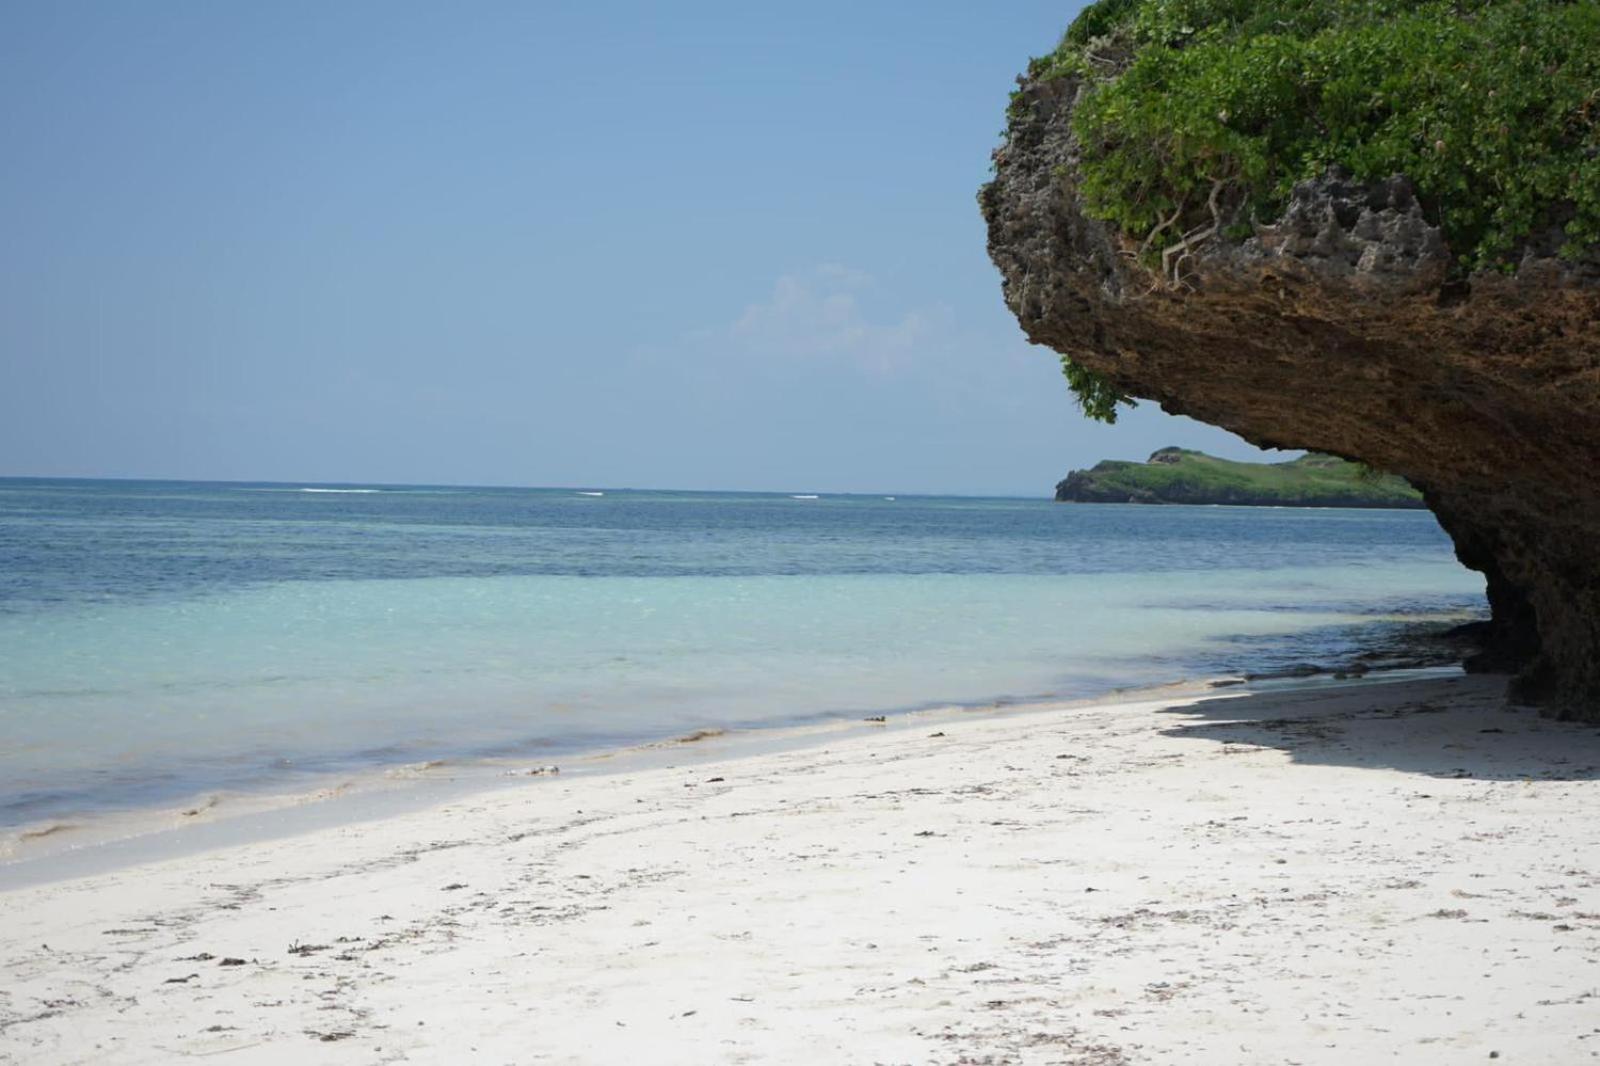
95, 842
1402, 871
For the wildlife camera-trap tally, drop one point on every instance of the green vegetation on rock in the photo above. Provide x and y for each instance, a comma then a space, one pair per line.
1490, 107
1178, 475
1202, 115
1097, 396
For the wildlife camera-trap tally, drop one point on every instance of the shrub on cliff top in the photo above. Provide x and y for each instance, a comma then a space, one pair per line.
1204, 114
1490, 107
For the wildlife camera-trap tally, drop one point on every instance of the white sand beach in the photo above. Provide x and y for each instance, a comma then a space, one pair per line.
1403, 871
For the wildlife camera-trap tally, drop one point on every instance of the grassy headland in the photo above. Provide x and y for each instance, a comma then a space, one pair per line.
1178, 475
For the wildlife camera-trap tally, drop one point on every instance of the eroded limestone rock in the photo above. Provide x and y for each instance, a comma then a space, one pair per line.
1339, 329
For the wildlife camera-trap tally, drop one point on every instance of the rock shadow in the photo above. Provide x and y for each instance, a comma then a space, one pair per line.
1458, 727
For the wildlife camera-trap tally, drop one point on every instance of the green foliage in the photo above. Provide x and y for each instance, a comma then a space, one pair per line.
1369, 474
1099, 19
1207, 112
1175, 475
1097, 396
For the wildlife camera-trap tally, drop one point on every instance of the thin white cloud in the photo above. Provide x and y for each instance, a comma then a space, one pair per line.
819, 315
846, 276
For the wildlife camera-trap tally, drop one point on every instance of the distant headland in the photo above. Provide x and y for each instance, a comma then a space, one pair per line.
1179, 475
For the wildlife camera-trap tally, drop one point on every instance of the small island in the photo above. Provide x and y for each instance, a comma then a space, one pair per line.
1181, 475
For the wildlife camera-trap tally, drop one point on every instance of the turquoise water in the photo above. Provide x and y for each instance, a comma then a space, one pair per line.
160, 639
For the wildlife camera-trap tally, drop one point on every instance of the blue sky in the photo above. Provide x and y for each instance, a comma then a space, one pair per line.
697, 245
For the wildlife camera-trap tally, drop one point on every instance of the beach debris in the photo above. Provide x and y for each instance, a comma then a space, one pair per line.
875, 718
534, 771
927, 833
46, 831
700, 734
1296, 670
938, 734
453, 886
297, 948
200, 808
1163, 991
180, 980
231, 961
204, 956
714, 780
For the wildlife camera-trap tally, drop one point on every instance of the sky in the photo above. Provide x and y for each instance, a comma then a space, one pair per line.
610, 244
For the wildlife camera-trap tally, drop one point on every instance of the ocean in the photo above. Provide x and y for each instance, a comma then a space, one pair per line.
160, 640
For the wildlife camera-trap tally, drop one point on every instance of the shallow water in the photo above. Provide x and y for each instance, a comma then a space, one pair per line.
161, 639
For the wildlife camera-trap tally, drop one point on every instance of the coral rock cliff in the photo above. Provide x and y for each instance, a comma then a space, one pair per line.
1340, 328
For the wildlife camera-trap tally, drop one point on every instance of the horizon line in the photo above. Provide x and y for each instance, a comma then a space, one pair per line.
532, 488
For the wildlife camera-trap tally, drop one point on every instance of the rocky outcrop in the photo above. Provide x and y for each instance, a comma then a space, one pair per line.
1340, 328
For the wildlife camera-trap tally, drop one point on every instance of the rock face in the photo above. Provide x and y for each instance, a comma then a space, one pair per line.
1339, 329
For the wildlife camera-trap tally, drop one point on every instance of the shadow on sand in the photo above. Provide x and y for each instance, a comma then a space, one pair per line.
1455, 727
